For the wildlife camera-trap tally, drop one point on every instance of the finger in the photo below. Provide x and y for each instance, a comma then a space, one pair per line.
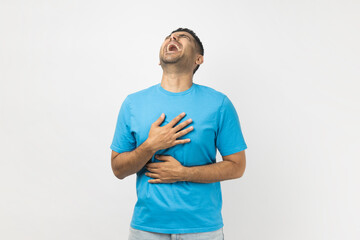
152, 175
153, 170
182, 125
183, 132
163, 157
176, 120
182, 141
154, 181
153, 165
159, 120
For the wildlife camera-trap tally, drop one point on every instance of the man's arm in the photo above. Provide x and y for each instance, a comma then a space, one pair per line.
170, 170
127, 163
232, 166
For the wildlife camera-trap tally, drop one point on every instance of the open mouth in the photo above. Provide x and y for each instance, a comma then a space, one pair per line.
172, 47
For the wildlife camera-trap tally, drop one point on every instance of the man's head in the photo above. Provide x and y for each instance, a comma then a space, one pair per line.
182, 47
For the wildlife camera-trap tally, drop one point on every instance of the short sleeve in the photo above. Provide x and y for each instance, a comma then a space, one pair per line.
229, 137
123, 140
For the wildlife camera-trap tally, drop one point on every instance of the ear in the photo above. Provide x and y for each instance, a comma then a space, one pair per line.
199, 59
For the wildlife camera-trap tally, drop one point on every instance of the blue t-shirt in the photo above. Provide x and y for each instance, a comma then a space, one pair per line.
180, 207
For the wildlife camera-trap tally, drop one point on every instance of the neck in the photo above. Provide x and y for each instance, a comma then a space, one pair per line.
176, 81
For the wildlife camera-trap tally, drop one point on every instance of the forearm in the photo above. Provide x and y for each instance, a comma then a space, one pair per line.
128, 163
215, 172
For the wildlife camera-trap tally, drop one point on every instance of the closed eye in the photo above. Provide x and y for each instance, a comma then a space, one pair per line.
183, 35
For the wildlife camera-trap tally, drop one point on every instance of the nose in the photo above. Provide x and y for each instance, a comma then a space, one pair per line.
173, 37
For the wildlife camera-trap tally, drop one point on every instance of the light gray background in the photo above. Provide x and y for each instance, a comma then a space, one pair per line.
291, 68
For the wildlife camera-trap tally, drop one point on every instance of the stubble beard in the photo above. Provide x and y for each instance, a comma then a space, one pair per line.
169, 60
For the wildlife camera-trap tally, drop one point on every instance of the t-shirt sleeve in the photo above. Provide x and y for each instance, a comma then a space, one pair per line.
229, 138
123, 140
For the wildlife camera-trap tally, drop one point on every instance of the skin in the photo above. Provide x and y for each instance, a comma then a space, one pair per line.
127, 163
178, 68
177, 76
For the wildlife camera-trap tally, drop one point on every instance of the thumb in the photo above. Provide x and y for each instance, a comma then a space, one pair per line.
162, 157
160, 119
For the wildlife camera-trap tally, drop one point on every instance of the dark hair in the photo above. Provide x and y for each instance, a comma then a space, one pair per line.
198, 44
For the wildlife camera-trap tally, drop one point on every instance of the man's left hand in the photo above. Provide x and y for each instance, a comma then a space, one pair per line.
169, 170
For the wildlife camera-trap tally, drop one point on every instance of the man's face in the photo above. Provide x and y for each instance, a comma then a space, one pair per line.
179, 46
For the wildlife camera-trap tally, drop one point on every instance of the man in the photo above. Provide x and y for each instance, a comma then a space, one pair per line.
168, 135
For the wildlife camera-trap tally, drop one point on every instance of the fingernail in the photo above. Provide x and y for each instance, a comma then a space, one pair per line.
182, 114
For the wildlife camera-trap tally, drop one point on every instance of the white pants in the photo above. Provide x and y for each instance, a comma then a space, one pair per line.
136, 234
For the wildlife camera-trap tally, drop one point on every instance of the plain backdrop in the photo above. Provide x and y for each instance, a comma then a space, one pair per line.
291, 69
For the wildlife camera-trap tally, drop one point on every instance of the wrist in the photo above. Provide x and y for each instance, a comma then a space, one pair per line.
186, 173
148, 147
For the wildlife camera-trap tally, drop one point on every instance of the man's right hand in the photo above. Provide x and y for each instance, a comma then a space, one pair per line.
166, 136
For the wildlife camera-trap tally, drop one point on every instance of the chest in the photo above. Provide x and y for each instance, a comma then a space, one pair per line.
204, 121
